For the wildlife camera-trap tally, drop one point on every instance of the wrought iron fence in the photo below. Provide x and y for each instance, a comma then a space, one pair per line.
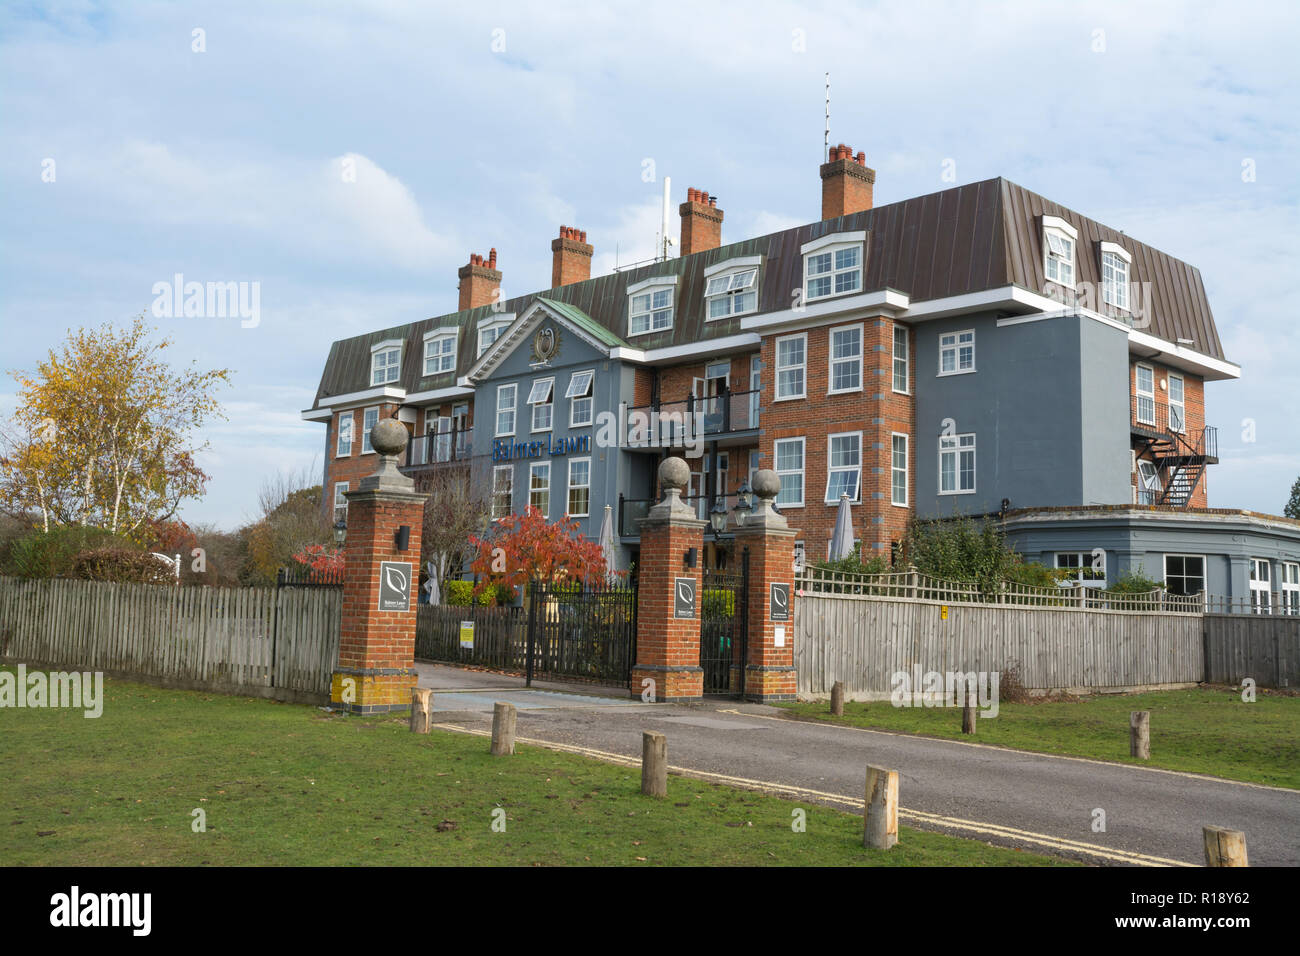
301, 576
724, 627
584, 632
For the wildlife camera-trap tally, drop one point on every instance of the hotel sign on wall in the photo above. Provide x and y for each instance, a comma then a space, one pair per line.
504, 449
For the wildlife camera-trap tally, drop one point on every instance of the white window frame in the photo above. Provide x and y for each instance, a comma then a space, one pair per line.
1061, 255
650, 287
832, 361
536, 404
1184, 575
956, 450
497, 491
535, 468
1148, 484
800, 555
587, 395
1261, 588
388, 371
513, 389
348, 418
1116, 267
434, 352
496, 326
568, 498
366, 447
833, 245
742, 282
1080, 570
1290, 587
340, 505
1150, 394
832, 469
894, 469
1181, 404
800, 471
802, 366
905, 357
955, 347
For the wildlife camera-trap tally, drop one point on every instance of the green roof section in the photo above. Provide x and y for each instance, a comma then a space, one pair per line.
586, 323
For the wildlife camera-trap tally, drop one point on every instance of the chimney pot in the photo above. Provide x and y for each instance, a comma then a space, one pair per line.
570, 264
846, 186
701, 222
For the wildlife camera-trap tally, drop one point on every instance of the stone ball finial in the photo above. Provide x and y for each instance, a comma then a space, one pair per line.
767, 484
389, 437
674, 475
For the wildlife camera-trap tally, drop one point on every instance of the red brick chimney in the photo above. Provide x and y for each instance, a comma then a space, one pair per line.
701, 222
846, 183
479, 281
571, 260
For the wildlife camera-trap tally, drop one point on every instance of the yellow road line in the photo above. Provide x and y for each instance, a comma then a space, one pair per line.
916, 816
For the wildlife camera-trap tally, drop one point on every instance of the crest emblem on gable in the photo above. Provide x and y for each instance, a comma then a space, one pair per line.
545, 344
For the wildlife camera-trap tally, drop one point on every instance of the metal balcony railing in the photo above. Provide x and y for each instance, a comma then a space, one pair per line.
667, 424
435, 448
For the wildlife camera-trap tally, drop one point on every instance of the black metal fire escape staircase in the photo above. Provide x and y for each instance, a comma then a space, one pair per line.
1180, 458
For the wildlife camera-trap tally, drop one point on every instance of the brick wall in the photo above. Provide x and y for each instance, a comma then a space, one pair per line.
352, 468
1194, 415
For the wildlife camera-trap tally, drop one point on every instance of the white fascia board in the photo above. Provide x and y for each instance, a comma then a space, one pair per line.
356, 398
728, 265
1117, 249
1180, 356
834, 239
729, 343
387, 344
445, 330
435, 394
505, 318
1059, 224
652, 282
825, 310
316, 414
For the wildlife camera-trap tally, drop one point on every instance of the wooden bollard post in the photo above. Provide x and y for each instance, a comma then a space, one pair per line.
421, 710
837, 699
1224, 847
503, 729
1139, 734
968, 717
880, 815
654, 764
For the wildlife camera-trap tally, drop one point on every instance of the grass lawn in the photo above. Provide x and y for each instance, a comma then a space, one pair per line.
292, 785
1205, 730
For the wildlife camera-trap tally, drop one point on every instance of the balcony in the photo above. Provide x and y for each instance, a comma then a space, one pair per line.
1179, 454
439, 448
728, 418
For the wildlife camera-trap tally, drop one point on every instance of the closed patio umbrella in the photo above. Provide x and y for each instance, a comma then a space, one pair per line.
842, 539
431, 586
607, 543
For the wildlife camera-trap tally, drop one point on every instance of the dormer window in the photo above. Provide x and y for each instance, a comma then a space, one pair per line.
489, 332
385, 363
832, 265
1115, 261
650, 305
440, 351
1059, 239
732, 287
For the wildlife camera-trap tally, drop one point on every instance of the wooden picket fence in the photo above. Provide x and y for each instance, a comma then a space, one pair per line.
280, 643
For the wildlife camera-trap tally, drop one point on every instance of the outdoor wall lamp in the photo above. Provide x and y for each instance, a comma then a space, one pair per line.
403, 537
340, 532
718, 518
690, 557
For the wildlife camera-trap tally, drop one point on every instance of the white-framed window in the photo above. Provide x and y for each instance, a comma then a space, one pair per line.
1080, 566
503, 491
1261, 586
1148, 486
1114, 275
580, 398
787, 454
832, 265
957, 464
539, 486
846, 359
1291, 588
385, 363
957, 352
541, 398
898, 469
439, 426
579, 487
1145, 389
1059, 242
340, 502
731, 293
489, 332
902, 360
506, 395
369, 419
1184, 573
1177, 405
347, 421
440, 351
843, 466
650, 305
800, 556
791, 365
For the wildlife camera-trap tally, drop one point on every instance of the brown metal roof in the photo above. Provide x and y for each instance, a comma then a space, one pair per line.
970, 238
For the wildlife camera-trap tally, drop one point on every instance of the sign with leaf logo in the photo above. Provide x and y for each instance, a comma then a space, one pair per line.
395, 586
684, 598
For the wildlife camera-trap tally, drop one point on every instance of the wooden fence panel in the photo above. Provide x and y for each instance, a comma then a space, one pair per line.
1263, 647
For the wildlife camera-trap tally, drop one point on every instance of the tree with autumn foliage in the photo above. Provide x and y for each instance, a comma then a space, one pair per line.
527, 549
104, 433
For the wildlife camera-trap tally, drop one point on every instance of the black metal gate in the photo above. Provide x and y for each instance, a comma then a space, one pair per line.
724, 628
581, 632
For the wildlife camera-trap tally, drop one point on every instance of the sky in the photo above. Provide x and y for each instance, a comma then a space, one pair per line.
348, 157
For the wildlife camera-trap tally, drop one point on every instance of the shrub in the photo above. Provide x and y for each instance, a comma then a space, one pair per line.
1036, 575
461, 594
961, 549
1134, 582
121, 565
854, 564
718, 602
51, 554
